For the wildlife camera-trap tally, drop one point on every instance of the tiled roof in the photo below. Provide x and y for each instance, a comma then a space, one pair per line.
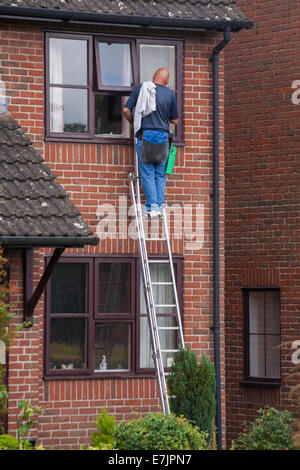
212, 10
32, 202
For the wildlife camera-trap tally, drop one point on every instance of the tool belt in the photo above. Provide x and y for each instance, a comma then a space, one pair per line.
154, 147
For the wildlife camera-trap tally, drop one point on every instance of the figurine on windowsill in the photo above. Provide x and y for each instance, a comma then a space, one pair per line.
69, 366
103, 363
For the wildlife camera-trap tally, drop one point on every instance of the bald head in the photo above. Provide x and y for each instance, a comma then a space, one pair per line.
161, 76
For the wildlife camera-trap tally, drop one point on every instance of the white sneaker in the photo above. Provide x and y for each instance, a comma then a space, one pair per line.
155, 214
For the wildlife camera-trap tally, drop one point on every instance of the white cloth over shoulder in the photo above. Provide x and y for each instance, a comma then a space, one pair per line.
146, 103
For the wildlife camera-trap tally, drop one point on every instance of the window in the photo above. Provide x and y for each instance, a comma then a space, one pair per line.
89, 78
166, 316
96, 317
68, 85
262, 335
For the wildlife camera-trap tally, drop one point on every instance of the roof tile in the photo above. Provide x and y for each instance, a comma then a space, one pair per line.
32, 202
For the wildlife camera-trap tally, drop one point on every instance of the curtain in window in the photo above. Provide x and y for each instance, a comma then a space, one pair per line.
264, 331
56, 94
152, 57
126, 71
162, 295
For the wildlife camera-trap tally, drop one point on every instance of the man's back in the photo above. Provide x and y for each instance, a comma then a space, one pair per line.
166, 109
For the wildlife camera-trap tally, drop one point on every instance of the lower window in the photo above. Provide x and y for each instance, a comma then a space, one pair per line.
262, 335
96, 319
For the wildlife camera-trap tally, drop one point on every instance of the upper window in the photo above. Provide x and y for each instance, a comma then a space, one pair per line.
88, 80
96, 317
262, 335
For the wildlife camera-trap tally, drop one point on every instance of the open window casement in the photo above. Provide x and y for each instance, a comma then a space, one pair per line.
115, 68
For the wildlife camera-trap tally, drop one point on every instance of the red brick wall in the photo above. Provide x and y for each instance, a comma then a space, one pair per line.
262, 191
94, 174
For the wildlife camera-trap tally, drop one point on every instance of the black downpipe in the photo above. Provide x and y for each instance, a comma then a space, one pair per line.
216, 231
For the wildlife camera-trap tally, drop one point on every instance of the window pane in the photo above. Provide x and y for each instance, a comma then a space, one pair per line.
256, 312
115, 64
68, 343
257, 356
108, 116
69, 288
167, 339
112, 346
163, 294
114, 288
152, 57
68, 61
272, 312
68, 110
273, 356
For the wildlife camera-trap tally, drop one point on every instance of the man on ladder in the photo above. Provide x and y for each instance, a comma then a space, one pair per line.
155, 107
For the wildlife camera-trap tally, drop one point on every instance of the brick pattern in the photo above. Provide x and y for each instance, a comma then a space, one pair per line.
262, 192
93, 175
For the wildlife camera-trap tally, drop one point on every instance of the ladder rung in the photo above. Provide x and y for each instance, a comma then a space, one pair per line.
169, 350
165, 305
155, 239
162, 283
159, 261
171, 396
168, 327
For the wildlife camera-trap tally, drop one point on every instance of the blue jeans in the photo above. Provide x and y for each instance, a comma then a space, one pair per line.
153, 178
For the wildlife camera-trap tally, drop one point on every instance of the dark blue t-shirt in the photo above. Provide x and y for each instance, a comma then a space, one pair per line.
166, 109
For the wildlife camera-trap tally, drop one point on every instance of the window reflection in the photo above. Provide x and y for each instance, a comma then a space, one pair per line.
114, 288
68, 110
68, 61
112, 346
108, 116
68, 343
115, 64
68, 288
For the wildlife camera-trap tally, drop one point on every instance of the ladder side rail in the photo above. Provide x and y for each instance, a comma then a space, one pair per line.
151, 304
157, 352
149, 295
150, 301
165, 223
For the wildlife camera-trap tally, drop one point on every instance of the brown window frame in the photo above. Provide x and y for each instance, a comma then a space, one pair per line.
178, 82
178, 276
88, 87
94, 86
49, 316
119, 89
248, 378
132, 317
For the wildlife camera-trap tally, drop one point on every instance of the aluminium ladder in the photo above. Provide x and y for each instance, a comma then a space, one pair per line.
148, 290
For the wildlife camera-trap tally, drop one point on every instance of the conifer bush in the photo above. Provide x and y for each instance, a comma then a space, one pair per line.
159, 432
193, 386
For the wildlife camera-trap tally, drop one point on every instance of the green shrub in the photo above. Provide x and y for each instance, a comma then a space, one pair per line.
271, 431
159, 432
104, 437
194, 388
8, 442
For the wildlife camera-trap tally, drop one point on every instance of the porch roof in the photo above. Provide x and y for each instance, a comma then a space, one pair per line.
35, 210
